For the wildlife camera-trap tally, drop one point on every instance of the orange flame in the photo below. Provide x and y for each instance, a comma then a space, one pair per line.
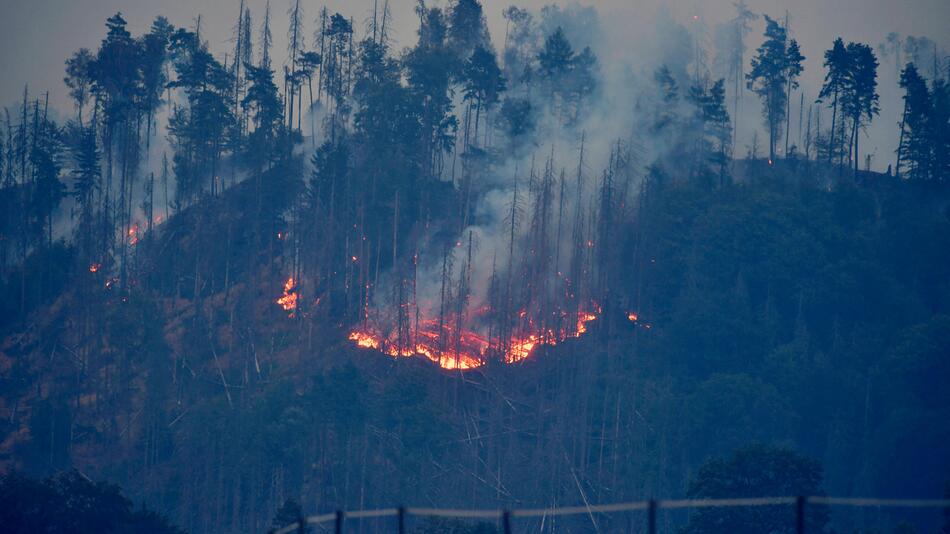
94, 268
134, 234
289, 299
465, 350
635, 319
367, 341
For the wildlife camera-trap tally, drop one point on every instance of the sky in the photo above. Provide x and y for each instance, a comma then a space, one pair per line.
36, 36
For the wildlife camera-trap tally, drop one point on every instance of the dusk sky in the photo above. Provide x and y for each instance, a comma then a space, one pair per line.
38, 35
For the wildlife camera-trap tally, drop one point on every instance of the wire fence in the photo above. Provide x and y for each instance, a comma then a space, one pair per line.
651, 507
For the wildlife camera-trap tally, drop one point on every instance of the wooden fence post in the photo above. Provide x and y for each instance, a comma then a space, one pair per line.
651, 516
800, 515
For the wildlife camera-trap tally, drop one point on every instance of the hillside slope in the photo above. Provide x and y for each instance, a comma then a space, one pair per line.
776, 310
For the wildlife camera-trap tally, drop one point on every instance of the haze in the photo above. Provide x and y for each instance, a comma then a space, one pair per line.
37, 36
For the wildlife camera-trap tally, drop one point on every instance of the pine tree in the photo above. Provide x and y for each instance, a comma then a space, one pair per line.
115, 82
86, 173
387, 123
483, 82
775, 69
46, 162
860, 98
429, 67
115, 71
837, 63
664, 118
267, 39
118, 73
718, 117
86, 168
295, 47
154, 79
262, 105
555, 58
335, 67
200, 130
568, 77
794, 61
79, 78
517, 116
712, 130
914, 150
940, 130
467, 28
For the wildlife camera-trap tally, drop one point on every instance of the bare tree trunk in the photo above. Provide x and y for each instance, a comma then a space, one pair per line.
834, 122
788, 113
857, 135
900, 143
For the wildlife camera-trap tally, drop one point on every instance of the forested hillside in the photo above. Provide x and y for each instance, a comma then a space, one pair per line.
471, 273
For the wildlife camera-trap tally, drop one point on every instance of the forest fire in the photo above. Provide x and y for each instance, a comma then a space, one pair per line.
94, 268
635, 319
288, 301
466, 349
134, 234
362, 339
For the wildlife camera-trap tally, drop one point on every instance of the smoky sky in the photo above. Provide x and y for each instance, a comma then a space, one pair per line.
36, 36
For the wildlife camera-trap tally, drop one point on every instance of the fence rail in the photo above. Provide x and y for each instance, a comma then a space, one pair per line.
800, 503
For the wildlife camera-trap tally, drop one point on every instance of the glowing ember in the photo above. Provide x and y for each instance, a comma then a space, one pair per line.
134, 234
635, 319
289, 299
582, 320
367, 341
94, 268
465, 350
